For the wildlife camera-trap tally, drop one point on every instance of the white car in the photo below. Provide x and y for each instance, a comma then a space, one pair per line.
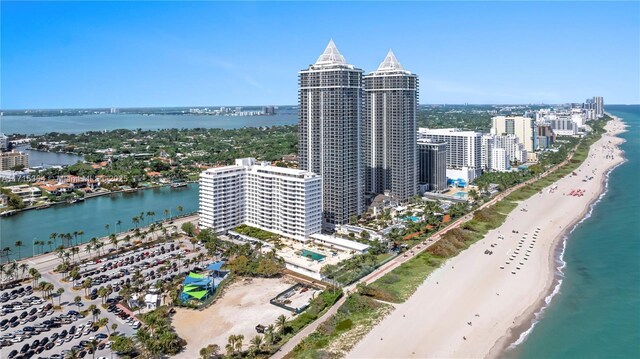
17, 339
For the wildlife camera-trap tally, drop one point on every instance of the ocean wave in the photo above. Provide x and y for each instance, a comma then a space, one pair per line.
561, 265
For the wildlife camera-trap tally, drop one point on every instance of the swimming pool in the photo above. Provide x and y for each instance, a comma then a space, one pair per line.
313, 255
410, 218
461, 195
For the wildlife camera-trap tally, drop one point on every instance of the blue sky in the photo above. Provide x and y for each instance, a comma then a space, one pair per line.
98, 54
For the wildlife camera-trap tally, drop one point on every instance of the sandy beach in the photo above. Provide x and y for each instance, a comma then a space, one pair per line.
477, 304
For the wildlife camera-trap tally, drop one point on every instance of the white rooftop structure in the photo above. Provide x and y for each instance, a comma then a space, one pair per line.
391, 64
331, 56
339, 243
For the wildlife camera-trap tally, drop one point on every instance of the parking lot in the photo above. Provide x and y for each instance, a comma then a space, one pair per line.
32, 328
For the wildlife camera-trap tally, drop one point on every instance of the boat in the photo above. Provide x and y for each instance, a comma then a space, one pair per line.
178, 184
130, 190
8, 213
44, 206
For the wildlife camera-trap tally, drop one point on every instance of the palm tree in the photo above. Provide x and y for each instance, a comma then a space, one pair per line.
119, 225
53, 236
257, 345
106, 226
75, 252
113, 239
19, 244
80, 233
103, 293
114, 326
270, 335
86, 285
33, 272
23, 268
135, 220
127, 239
180, 209
50, 244
234, 344
210, 351
93, 347
104, 322
151, 214
59, 293
5, 252
87, 249
238, 343
73, 353
281, 324
166, 214
96, 313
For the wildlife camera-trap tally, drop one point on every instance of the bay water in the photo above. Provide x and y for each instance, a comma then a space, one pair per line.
91, 216
29, 125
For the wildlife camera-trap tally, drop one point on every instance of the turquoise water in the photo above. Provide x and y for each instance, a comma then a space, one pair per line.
597, 311
91, 216
78, 124
313, 255
461, 195
410, 218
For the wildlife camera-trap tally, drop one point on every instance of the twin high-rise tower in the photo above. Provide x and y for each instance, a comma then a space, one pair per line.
358, 132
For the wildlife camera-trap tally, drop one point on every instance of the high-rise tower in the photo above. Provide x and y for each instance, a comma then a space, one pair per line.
389, 130
329, 143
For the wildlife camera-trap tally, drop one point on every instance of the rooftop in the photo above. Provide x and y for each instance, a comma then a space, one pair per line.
331, 56
390, 64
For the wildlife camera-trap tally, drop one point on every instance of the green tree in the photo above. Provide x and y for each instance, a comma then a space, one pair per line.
19, 245
281, 324
188, 228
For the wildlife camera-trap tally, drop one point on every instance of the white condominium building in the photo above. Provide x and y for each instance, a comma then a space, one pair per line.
488, 143
499, 160
280, 200
523, 127
515, 151
463, 147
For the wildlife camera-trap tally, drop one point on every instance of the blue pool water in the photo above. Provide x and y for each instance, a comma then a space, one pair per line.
313, 255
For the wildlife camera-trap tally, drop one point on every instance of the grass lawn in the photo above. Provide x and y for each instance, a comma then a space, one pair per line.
338, 334
399, 284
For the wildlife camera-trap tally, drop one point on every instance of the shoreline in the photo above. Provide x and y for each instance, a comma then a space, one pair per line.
486, 298
86, 197
525, 323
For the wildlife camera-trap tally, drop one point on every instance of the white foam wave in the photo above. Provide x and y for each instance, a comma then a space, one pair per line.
559, 274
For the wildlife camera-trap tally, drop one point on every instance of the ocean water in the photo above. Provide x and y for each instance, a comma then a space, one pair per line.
77, 124
596, 312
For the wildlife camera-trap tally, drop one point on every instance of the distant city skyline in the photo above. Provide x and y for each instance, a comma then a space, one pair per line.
166, 54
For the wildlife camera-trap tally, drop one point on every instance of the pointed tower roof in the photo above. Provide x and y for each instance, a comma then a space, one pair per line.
331, 56
390, 63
